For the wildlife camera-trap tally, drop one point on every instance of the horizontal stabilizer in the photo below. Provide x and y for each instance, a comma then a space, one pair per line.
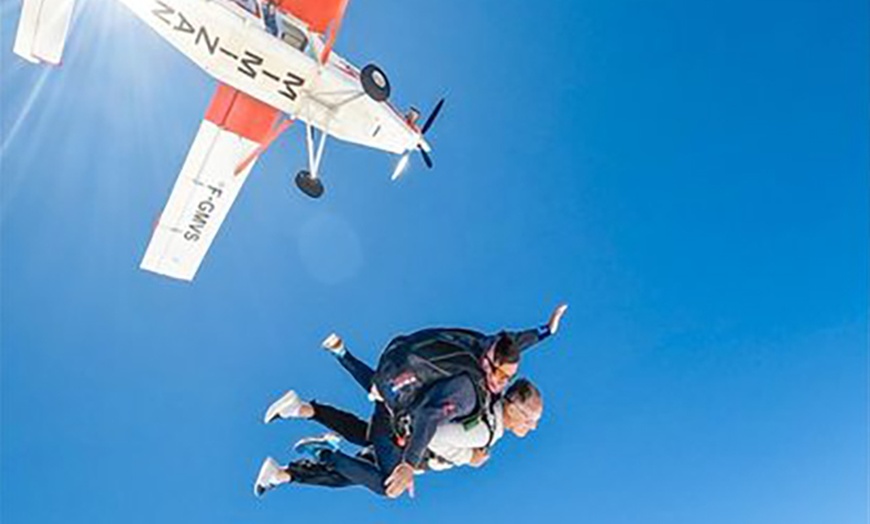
42, 30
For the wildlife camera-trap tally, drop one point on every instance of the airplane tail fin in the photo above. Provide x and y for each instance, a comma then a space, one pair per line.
42, 30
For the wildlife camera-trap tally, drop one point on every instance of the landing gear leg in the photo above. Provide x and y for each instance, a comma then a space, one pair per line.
307, 180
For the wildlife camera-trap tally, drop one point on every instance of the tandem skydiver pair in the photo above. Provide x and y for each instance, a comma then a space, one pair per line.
443, 398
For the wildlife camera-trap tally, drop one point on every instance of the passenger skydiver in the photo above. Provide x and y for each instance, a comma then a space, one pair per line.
454, 444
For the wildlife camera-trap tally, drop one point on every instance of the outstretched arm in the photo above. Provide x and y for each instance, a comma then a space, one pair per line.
527, 338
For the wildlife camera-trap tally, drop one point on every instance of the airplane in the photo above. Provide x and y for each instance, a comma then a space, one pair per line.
275, 64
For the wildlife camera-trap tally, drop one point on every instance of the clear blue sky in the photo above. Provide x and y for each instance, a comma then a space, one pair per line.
690, 177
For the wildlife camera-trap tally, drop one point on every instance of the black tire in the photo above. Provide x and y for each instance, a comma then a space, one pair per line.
375, 82
309, 185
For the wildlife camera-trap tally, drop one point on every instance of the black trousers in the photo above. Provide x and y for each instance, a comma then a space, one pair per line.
316, 474
338, 469
349, 426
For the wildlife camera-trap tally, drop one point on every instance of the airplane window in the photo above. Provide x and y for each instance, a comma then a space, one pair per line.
292, 35
250, 6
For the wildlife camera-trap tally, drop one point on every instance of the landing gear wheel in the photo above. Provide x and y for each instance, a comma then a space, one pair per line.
375, 82
308, 184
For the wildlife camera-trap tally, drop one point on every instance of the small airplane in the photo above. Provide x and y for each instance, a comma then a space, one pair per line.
275, 64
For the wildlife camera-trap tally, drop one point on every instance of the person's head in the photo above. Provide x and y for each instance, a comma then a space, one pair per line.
500, 362
523, 406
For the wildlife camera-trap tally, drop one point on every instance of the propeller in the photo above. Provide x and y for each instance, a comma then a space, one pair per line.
400, 167
432, 117
427, 159
426, 125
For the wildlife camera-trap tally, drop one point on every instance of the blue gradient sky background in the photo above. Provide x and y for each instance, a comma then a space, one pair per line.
691, 178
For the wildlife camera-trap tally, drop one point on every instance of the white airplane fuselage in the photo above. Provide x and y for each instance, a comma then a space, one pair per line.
234, 46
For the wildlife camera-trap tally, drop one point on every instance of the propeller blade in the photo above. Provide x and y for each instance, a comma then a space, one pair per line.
426, 158
400, 167
432, 117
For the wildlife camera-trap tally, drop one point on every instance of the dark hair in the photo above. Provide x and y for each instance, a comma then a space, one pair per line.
506, 351
521, 392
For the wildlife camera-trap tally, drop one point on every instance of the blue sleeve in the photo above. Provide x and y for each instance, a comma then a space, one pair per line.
529, 337
445, 401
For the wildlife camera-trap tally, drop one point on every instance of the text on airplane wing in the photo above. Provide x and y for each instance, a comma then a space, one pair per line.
235, 126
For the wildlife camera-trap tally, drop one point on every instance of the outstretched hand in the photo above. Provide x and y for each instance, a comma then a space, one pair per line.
556, 317
400, 480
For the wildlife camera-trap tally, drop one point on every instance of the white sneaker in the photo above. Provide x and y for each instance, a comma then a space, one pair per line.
271, 475
287, 406
334, 344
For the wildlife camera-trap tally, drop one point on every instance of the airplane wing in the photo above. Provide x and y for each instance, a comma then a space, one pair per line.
320, 15
42, 30
223, 153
